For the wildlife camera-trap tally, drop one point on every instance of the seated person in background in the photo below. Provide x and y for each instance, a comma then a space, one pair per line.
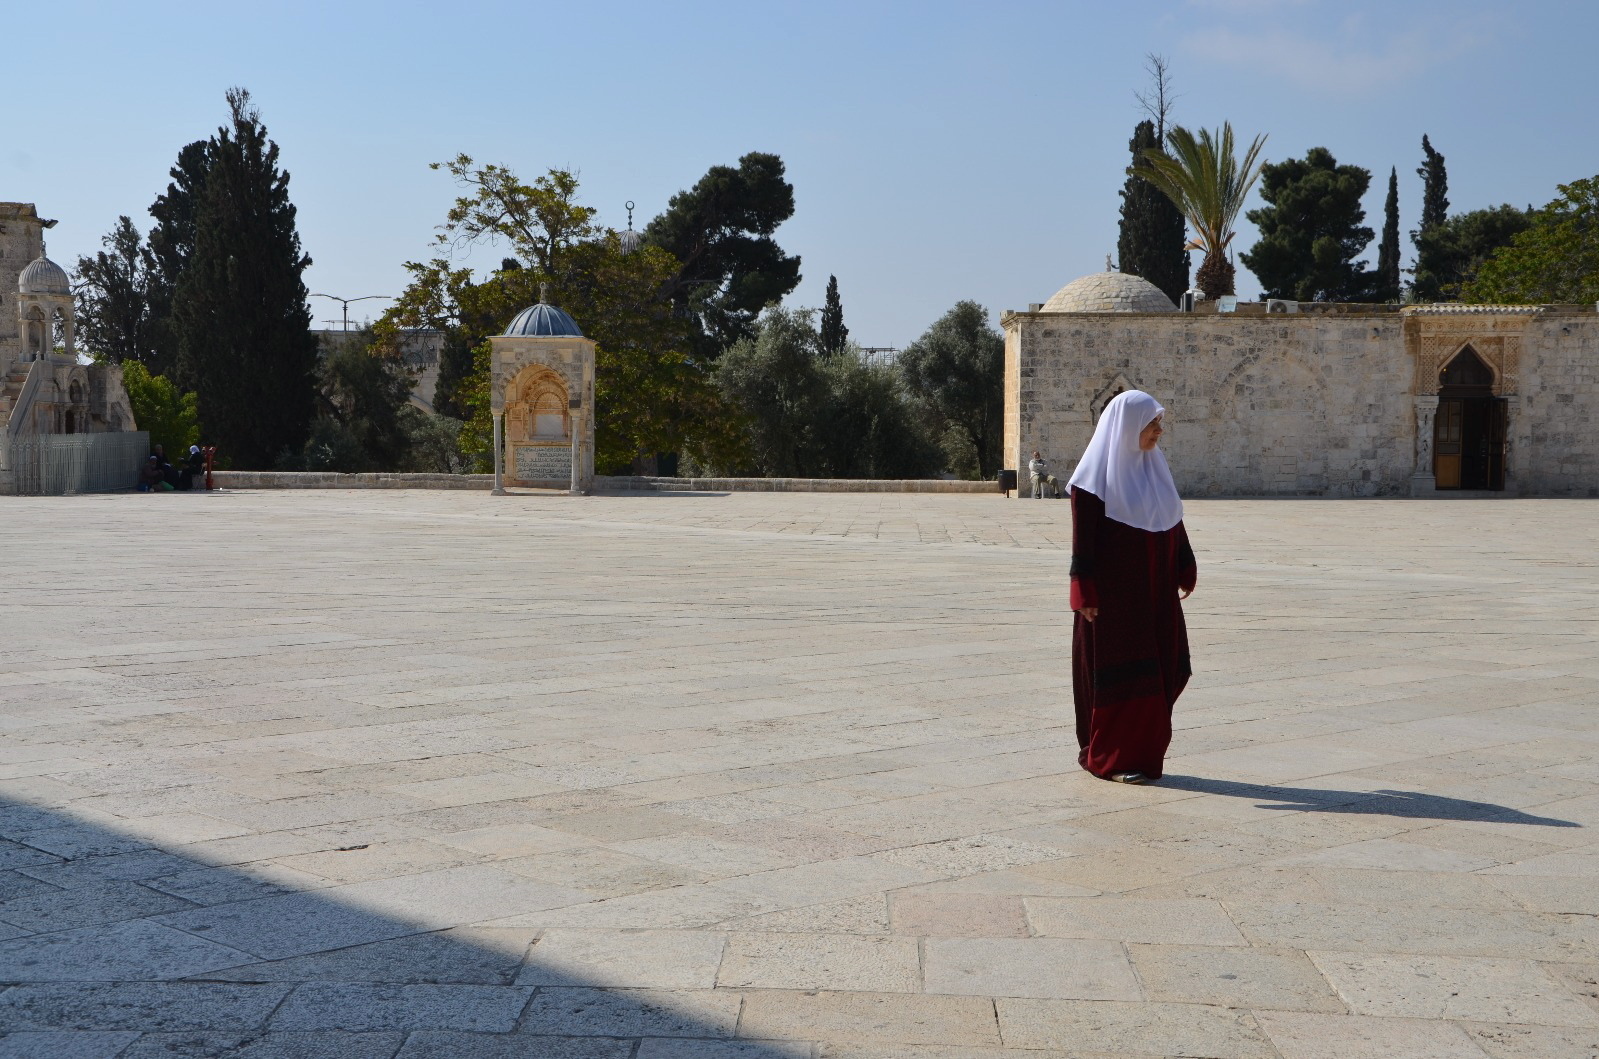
1038, 471
169, 475
193, 467
150, 476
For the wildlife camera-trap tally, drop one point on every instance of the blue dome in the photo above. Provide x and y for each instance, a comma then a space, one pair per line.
543, 321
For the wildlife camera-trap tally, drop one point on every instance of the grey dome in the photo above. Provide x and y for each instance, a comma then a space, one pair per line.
1109, 292
543, 321
43, 276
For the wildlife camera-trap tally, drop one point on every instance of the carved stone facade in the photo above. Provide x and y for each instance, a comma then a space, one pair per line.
542, 400
1333, 401
43, 387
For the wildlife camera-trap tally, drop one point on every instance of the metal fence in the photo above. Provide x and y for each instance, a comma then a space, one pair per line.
60, 464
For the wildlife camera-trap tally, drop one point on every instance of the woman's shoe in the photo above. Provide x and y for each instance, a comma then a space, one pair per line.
1128, 777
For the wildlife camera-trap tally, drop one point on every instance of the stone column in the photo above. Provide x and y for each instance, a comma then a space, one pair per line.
1422, 480
1516, 445
499, 454
575, 487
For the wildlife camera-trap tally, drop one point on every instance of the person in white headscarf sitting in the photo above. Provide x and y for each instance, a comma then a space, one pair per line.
1131, 565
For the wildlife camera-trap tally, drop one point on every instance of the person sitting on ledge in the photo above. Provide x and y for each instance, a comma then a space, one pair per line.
150, 476
1043, 481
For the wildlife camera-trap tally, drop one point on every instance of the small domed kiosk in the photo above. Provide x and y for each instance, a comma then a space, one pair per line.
542, 400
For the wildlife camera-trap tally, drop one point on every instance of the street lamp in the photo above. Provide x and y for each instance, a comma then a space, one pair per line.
346, 302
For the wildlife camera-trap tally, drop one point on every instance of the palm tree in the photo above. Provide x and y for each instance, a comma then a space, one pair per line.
1205, 180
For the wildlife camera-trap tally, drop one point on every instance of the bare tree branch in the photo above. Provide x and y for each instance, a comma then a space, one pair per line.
1159, 100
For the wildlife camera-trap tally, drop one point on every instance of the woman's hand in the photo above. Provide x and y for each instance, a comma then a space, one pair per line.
1184, 593
1089, 613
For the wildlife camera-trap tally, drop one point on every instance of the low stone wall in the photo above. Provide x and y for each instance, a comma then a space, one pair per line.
793, 485
485, 482
332, 480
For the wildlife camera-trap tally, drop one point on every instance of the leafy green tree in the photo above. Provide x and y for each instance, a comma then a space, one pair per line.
834, 333
170, 416
1555, 260
1203, 176
1387, 279
1151, 239
1310, 230
774, 379
956, 370
650, 395
243, 326
720, 231
1457, 248
874, 429
113, 306
369, 395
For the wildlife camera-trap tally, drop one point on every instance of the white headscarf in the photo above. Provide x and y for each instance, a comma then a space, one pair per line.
1135, 485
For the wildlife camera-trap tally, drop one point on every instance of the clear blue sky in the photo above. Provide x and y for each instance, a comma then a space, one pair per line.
938, 151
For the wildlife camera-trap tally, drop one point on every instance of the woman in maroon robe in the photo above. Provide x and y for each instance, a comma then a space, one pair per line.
1131, 564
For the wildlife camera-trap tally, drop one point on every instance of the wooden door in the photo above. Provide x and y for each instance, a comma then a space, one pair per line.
1446, 442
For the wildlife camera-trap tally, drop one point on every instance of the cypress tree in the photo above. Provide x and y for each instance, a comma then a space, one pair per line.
1151, 240
170, 246
833, 330
1435, 187
1387, 289
240, 313
1429, 281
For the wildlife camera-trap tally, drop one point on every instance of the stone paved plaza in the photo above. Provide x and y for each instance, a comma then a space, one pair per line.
424, 774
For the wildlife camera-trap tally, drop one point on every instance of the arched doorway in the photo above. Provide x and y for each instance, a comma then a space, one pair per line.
1469, 432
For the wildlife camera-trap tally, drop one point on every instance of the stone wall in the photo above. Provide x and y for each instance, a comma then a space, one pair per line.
1296, 405
1559, 406
332, 480
20, 242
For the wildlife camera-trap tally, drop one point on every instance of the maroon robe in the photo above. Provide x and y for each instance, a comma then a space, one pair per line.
1131, 662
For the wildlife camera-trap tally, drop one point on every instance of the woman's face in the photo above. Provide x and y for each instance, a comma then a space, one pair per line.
1149, 437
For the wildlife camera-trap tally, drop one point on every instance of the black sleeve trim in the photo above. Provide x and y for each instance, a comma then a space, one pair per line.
1082, 566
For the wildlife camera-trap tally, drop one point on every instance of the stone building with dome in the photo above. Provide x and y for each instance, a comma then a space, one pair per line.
1302, 399
44, 391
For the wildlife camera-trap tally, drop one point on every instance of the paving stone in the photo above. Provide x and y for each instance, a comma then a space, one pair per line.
314, 1045
1234, 977
81, 906
66, 1044
1030, 967
1308, 1036
1447, 987
445, 957
894, 1018
820, 961
425, 1044
958, 915
1139, 1029
654, 959
363, 1006
809, 718
678, 1048
1533, 1042
147, 1006
1173, 922
633, 1012
133, 951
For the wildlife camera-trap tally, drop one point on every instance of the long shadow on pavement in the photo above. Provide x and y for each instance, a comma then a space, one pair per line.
113, 947
1410, 804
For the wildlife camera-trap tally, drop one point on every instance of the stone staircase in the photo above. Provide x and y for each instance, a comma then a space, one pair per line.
11, 390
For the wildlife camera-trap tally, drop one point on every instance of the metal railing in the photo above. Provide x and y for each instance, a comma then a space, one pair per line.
62, 464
